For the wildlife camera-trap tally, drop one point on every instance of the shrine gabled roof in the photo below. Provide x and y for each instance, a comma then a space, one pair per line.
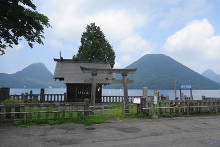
69, 71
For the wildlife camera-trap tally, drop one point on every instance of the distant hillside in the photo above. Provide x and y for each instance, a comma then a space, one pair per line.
211, 75
158, 71
34, 76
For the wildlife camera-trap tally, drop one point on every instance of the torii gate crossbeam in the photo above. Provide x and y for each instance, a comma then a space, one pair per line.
125, 81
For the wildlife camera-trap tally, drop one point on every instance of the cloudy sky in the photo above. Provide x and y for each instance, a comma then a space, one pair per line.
186, 30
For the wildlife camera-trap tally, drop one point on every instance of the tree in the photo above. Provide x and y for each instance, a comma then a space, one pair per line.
94, 46
20, 20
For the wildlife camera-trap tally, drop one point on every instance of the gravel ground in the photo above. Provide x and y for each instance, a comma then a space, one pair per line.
173, 132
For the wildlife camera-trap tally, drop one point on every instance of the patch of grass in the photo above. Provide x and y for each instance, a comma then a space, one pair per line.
11, 101
89, 120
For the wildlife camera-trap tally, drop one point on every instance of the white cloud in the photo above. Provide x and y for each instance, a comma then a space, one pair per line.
118, 24
69, 19
196, 45
134, 43
65, 16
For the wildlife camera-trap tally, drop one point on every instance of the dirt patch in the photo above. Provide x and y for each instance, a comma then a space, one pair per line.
90, 128
129, 130
62, 141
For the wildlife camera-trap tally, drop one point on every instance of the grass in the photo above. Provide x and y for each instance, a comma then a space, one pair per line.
92, 119
11, 101
100, 116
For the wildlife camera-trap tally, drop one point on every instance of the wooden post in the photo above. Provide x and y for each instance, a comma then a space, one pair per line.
50, 98
93, 90
22, 96
191, 95
12, 112
31, 95
86, 107
4, 93
42, 96
65, 97
30, 112
71, 115
25, 96
126, 101
22, 115
143, 100
3, 110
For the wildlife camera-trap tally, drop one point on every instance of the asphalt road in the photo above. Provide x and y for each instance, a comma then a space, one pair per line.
177, 132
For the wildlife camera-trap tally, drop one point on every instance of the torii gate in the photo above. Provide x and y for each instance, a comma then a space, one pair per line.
125, 81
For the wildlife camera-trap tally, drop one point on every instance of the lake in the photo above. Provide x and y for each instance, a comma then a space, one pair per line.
197, 94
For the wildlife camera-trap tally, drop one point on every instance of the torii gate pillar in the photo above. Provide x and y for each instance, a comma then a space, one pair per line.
93, 90
126, 101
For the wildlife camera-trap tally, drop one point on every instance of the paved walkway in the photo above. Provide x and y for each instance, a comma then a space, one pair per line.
177, 132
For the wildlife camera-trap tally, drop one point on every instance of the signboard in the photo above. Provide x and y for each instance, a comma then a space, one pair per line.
185, 86
155, 92
137, 100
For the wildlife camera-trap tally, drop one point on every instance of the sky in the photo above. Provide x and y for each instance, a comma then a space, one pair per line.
186, 30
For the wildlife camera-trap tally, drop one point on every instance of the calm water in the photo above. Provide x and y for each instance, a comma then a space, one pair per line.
197, 94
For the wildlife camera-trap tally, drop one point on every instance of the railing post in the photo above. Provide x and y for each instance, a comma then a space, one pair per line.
65, 97
42, 96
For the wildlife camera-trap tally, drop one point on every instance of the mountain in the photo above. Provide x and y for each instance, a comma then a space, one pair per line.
33, 76
211, 75
158, 71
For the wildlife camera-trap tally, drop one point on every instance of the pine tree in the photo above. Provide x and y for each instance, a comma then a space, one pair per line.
94, 46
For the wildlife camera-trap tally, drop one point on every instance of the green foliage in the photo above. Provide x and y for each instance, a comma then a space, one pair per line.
94, 46
19, 19
11, 101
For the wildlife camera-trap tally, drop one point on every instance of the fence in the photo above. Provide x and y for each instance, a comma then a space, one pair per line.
180, 106
46, 111
40, 97
106, 99
62, 98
